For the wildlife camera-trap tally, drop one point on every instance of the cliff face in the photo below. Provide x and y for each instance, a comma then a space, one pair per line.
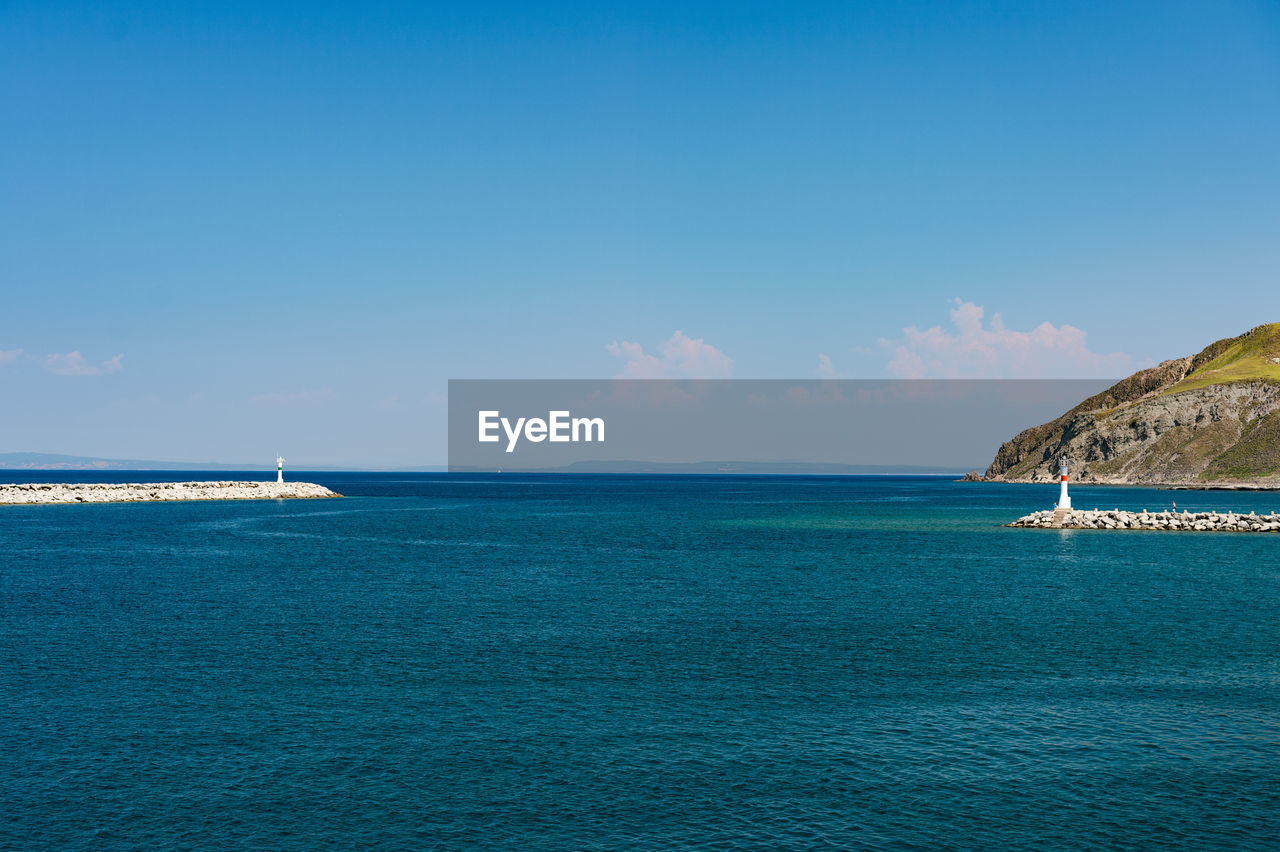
1212, 418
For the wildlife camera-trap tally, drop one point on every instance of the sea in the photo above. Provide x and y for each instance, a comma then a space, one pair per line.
600, 662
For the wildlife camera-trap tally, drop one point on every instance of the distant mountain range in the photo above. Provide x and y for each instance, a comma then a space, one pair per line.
742, 467
1208, 419
58, 461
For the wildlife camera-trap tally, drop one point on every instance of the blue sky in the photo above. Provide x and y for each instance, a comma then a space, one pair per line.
228, 229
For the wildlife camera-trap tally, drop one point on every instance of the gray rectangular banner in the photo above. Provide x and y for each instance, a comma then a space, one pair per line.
746, 425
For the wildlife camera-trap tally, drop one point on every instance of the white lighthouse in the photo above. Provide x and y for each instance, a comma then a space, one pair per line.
280, 473
1064, 499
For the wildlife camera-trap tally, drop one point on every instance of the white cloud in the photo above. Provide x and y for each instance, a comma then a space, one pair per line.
826, 370
295, 399
680, 357
74, 364
8, 355
974, 349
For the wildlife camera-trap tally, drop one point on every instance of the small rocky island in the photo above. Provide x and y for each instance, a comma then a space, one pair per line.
129, 492
1116, 519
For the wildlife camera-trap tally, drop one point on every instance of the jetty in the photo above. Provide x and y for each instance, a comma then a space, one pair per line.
1116, 519
131, 492
1063, 517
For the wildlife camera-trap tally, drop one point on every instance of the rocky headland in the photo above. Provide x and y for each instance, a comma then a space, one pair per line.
129, 492
1207, 420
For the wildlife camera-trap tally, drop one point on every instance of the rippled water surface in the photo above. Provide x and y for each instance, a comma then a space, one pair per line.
599, 662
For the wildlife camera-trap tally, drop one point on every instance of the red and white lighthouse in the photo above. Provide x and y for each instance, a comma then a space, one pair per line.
1064, 499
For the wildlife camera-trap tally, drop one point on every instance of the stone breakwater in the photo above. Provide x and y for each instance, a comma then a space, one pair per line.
129, 492
1116, 519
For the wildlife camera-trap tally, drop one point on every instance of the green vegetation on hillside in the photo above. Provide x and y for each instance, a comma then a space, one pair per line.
1254, 356
1256, 454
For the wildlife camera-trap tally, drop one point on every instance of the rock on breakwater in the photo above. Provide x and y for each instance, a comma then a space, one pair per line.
1116, 519
129, 492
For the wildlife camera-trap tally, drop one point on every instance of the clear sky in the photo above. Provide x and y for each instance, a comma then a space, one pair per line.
228, 229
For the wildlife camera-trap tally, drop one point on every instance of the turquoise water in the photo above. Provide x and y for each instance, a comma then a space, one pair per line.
463, 662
